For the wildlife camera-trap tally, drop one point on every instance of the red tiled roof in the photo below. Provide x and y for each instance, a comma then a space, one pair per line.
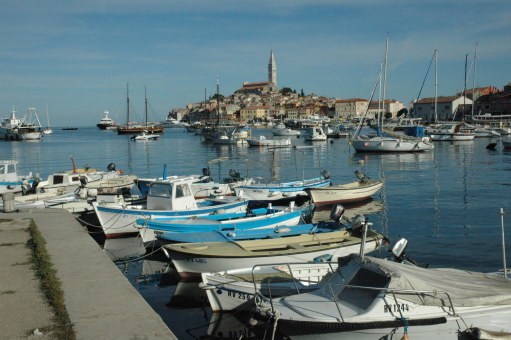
351, 100
439, 100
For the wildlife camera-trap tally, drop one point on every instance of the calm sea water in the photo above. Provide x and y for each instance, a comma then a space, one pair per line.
446, 203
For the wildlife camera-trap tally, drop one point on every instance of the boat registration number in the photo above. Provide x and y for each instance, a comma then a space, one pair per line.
396, 307
237, 295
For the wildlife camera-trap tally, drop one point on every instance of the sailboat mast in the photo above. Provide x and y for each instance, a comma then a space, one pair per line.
217, 100
127, 104
145, 100
436, 86
465, 88
384, 77
474, 81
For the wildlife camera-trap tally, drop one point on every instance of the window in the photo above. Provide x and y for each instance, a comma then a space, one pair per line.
160, 189
182, 190
11, 168
58, 179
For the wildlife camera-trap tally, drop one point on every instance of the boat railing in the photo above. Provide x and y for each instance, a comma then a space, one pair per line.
391, 291
330, 268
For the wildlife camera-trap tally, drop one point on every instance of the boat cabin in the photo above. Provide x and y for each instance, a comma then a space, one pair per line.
9, 177
171, 195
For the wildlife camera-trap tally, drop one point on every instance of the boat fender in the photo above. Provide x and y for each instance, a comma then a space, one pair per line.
426, 140
322, 258
231, 234
121, 172
282, 230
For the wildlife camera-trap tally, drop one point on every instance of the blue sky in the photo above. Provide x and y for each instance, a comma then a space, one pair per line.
77, 56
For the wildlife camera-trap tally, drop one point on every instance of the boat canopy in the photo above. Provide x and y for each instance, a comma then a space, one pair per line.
465, 288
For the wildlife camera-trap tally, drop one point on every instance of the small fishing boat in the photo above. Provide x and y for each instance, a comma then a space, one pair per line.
268, 192
10, 181
453, 132
165, 198
218, 227
281, 130
144, 136
263, 141
314, 133
345, 193
191, 259
370, 298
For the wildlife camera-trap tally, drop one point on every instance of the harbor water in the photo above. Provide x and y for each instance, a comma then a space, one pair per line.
446, 202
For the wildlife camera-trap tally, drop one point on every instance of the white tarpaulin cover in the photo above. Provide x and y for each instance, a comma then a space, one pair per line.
465, 288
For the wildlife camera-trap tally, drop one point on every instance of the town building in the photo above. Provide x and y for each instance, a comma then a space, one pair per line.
447, 108
390, 108
350, 108
253, 113
265, 86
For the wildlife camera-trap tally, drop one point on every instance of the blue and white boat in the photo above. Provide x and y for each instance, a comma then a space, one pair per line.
262, 218
166, 198
243, 234
10, 181
268, 192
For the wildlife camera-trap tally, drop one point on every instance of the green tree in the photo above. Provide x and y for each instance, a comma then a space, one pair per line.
285, 91
220, 97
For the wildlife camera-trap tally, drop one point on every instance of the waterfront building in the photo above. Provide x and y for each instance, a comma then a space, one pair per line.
252, 113
497, 103
448, 108
350, 108
389, 108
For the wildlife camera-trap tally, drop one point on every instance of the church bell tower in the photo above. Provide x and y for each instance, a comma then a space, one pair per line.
272, 70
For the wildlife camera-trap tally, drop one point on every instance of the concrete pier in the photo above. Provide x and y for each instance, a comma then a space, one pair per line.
101, 302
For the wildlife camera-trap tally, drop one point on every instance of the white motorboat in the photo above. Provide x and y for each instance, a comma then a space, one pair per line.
281, 130
165, 198
453, 132
267, 192
144, 136
263, 141
314, 133
370, 298
345, 193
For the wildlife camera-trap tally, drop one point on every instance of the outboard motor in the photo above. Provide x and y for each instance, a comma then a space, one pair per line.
206, 172
234, 174
111, 167
31, 189
361, 177
399, 253
336, 213
83, 181
86, 167
357, 223
325, 174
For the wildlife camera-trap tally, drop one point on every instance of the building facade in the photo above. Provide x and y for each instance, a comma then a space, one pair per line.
389, 108
350, 108
252, 113
447, 108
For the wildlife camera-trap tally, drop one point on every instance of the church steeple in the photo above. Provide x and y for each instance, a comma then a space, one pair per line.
272, 70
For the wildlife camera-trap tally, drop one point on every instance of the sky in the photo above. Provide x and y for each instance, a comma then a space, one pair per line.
77, 57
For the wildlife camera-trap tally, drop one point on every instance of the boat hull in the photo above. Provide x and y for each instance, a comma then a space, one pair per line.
190, 264
283, 191
379, 144
118, 220
349, 193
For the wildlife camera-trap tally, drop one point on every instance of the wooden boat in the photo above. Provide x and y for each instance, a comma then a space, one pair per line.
191, 259
345, 193
131, 128
166, 198
369, 298
205, 228
267, 192
263, 141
